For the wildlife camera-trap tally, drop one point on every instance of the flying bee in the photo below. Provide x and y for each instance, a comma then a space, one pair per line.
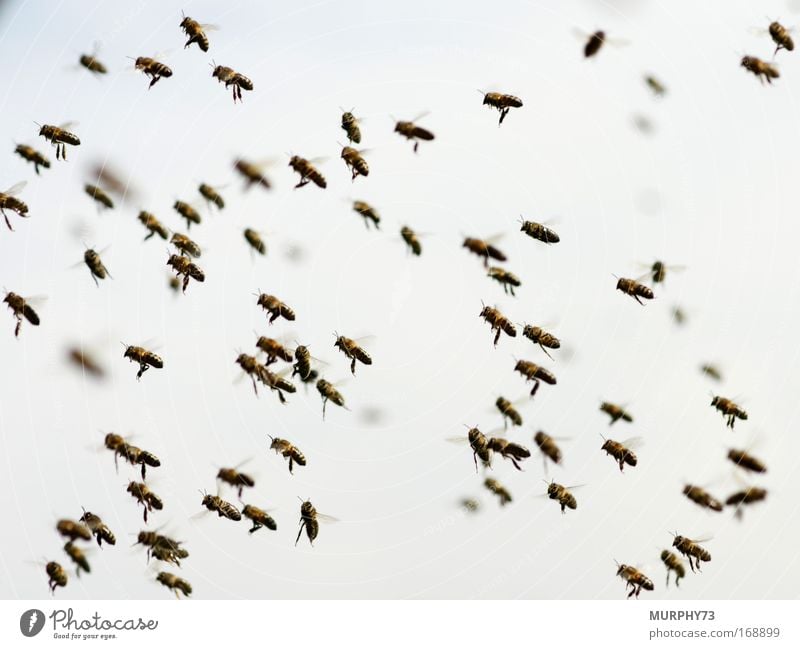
679, 316
274, 307
256, 242
235, 478
509, 412
98, 528
99, 195
691, 550
539, 336
563, 495
187, 212
781, 37
368, 212
508, 280
536, 373
153, 225
548, 447
184, 266
196, 32
56, 576
711, 371
747, 496
274, 350
657, 271
763, 70
538, 231
355, 162
350, 126
673, 564
501, 102
729, 409
95, 265
615, 412
91, 62
302, 365
634, 289
746, 461
71, 530
634, 578
353, 351
259, 518
8, 201
594, 43
620, 451
162, 547
145, 497
175, 584
153, 69
78, 557
252, 173
499, 490
328, 392
483, 249
230, 77
59, 137
185, 245
309, 519
145, 358
211, 195
498, 322
470, 505
701, 497
252, 368
223, 508
288, 450
277, 383
133, 455
412, 240
32, 155
479, 444
509, 450
308, 172
19, 305
659, 90
411, 131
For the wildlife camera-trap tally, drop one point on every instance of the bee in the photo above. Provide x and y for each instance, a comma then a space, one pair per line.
277, 383
353, 351
763, 70
496, 488
195, 31
658, 271
96, 267
470, 505
747, 496
153, 69
78, 557
153, 225
548, 447
56, 575
691, 550
236, 479
145, 358
711, 371
59, 137
252, 174
634, 578
509, 450
91, 62
130, 453
19, 305
728, 409
174, 283
161, 547
99, 195
308, 172
256, 242
185, 245
302, 365
8, 201
355, 162
329, 393
594, 43
506, 278
563, 495
701, 497
479, 444
98, 528
501, 102
259, 518
368, 212
183, 266
615, 412
498, 322
620, 452
71, 530
634, 289
538, 231
679, 316
230, 77
274, 350
746, 461
509, 412
483, 249
350, 126
252, 368
175, 584
539, 336
309, 519
275, 307
223, 508
659, 90
32, 155
412, 240
780, 35
411, 131
289, 450
535, 373
187, 212
211, 195
673, 564
145, 497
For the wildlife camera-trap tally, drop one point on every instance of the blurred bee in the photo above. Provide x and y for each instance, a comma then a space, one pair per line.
185, 245
509, 412
747, 496
195, 31
91, 62
679, 316
183, 266
780, 35
329, 393
174, 283
728, 409
236, 479
78, 557
187, 212
256, 242
411, 131
470, 505
355, 162
285, 448
145, 358
153, 69
309, 519
509, 450
691, 550
498, 322
615, 412
99, 195
659, 90
223, 508
259, 518
274, 350
548, 447
71, 530
673, 564
634, 578
230, 77
145, 497
98, 528
8, 201
620, 452
499, 490
763, 70
539, 336
161, 547
594, 43
506, 278
412, 240
658, 271
95, 265
701, 497
308, 172
711, 371
275, 307
252, 173
59, 137
563, 495
32, 155
211, 195
56, 575
175, 584
350, 126
252, 368
368, 212
538, 231
501, 102
277, 383
19, 305
85, 362
535, 373
353, 351
746, 461
634, 289
153, 225
483, 249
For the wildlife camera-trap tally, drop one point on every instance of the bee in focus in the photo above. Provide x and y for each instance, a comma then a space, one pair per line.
673, 564
223, 508
275, 308
536, 373
277, 383
479, 444
30, 154
539, 336
509, 412
91, 62
252, 173
153, 225
745, 461
498, 322
8, 201
99, 195
302, 365
711, 371
563, 495
353, 351
747, 496
175, 584
98, 528
184, 266
95, 265
78, 557
162, 547
499, 490
145, 497
252, 368
548, 447
211, 195
255, 241
411, 131
145, 358
133, 455
350, 126
195, 31
659, 90
501, 102
483, 249
329, 393
691, 550
509, 450
308, 172
412, 240
259, 518
59, 137
288, 450
230, 77
634, 289
781, 37
538, 231
368, 212
634, 578
185, 245
701, 497
763, 70
615, 412
309, 519
20, 307
508, 280
236, 479
56, 576
274, 350
153, 69
72, 530
729, 409
620, 451
187, 212
355, 162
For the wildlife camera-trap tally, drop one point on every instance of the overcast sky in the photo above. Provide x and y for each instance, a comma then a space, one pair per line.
712, 188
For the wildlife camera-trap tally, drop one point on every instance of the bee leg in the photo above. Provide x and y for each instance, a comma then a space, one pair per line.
636, 297
17, 328
63, 151
516, 466
353, 367
8, 223
153, 82
497, 337
274, 316
324, 404
416, 146
239, 92
94, 277
511, 288
145, 513
621, 466
291, 463
535, 387
255, 528
300, 531
545, 351
185, 283
280, 396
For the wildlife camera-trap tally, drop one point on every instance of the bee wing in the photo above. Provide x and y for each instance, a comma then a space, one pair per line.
580, 34
15, 189
67, 126
210, 27
633, 442
319, 159
460, 439
573, 487
36, 300
424, 113
327, 519
617, 42
494, 238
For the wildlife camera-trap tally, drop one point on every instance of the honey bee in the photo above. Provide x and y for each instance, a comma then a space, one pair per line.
350, 126
19, 305
658, 271
691, 550
59, 137
275, 307
368, 212
615, 412
230, 77
308, 172
479, 444
183, 266
634, 578
195, 31
701, 497
746, 461
679, 316
130, 453
498, 322
538, 231
252, 368
99, 195
153, 225
470, 505
288, 450
161, 547
536, 373
274, 350
277, 383
509, 412
98, 528
412, 240
728, 409
329, 393
302, 364
673, 564
256, 242
747, 496
211, 195
96, 267
309, 519
56, 576
353, 351
411, 131
32, 155
563, 495
483, 249
145, 358
145, 497
620, 452
153, 69
659, 90
780, 35
634, 289
763, 70
252, 173
355, 162
539, 336
175, 584
509, 450
73, 531
499, 490
187, 212
501, 102
594, 43
8, 201
259, 518
508, 280
711, 371
236, 479
78, 557
185, 245
91, 62
548, 447
223, 508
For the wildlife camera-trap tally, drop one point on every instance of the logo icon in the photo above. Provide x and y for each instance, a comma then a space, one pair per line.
31, 622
